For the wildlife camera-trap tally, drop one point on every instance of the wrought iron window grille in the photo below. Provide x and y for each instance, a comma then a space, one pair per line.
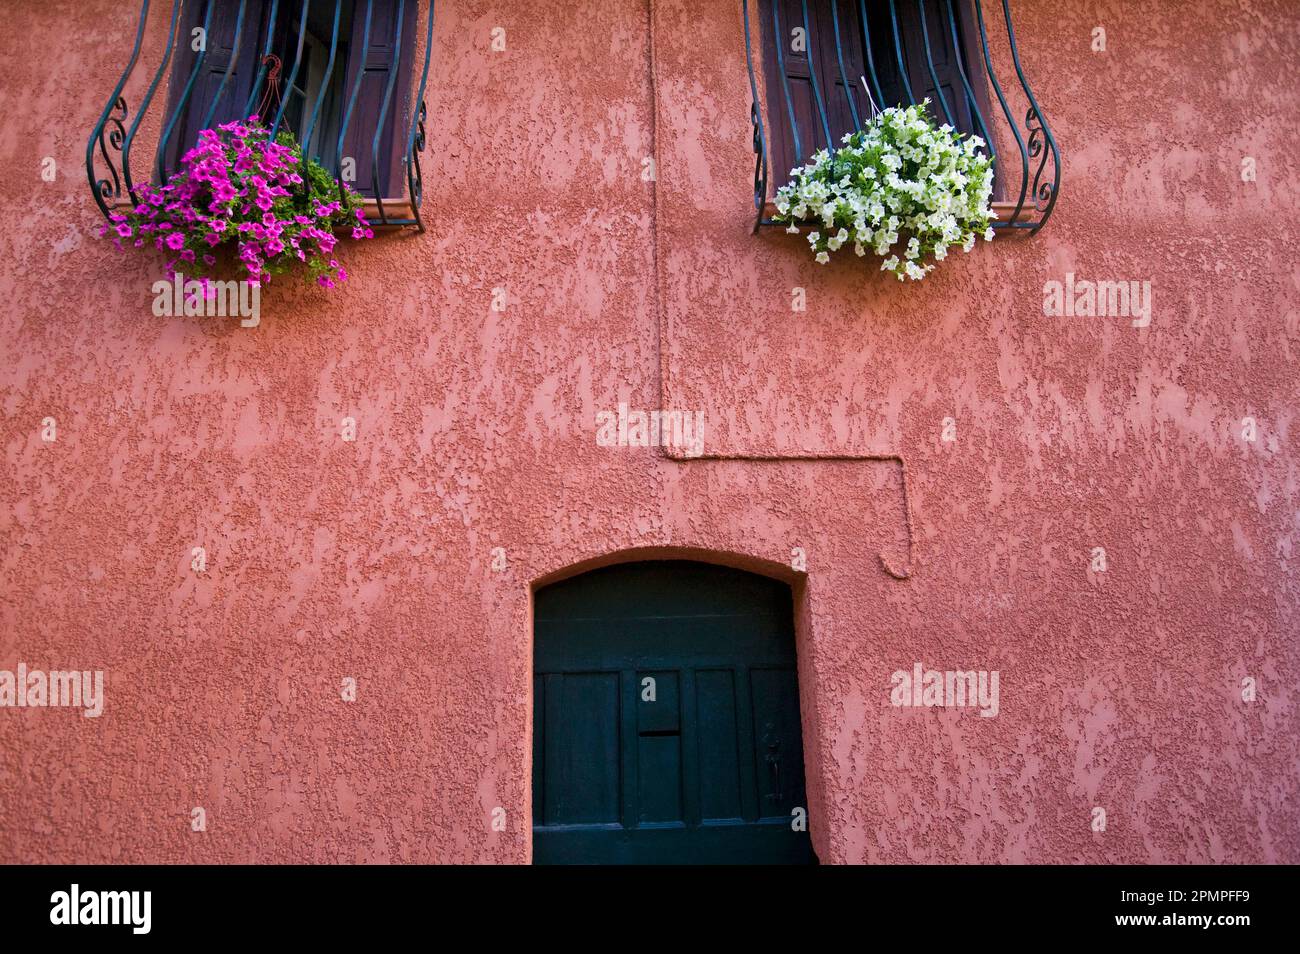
322, 131
895, 41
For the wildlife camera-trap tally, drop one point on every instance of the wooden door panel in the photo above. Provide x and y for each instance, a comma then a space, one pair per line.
582, 748
716, 704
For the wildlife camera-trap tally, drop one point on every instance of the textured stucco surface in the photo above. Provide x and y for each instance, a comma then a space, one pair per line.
475, 430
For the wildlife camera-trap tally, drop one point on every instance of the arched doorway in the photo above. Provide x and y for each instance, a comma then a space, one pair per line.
666, 718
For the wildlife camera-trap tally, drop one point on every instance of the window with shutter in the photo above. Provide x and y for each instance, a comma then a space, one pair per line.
829, 75
363, 89
819, 69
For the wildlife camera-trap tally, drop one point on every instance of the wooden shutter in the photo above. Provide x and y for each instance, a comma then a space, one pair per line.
835, 94
946, 64
944, 57
220, 49
376, 64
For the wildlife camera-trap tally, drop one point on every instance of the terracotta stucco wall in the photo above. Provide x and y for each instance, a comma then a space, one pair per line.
475, 430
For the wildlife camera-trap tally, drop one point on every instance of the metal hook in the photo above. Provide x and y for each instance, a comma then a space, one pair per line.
272, 84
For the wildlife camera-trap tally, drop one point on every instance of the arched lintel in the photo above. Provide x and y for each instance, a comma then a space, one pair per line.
739, 561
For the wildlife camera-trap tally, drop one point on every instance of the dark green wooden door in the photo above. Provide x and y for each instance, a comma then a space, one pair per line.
666, 719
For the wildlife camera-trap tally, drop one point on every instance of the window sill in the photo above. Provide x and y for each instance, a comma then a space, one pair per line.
398, 212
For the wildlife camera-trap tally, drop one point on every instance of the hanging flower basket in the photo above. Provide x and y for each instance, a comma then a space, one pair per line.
900, 178
238, 188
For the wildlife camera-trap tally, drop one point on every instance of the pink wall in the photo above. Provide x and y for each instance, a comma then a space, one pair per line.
475, 430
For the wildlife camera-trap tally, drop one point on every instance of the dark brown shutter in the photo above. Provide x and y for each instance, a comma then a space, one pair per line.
375, 65
220, 48
841, 87
821, 42
945, 62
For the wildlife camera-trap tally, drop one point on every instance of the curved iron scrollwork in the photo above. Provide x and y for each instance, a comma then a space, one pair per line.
973, 75
101, 188
1042, 194
415, 139
760, 160
756, 118
110, 134
414, 175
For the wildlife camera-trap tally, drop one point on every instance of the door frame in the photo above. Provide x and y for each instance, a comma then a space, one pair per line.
797, 581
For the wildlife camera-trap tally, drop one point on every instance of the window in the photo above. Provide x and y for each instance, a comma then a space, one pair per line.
854, 67
369, 63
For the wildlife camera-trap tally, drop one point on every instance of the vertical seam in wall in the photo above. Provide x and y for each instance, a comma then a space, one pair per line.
668, 453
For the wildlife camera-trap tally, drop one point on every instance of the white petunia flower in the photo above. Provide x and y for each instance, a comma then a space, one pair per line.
899, 174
